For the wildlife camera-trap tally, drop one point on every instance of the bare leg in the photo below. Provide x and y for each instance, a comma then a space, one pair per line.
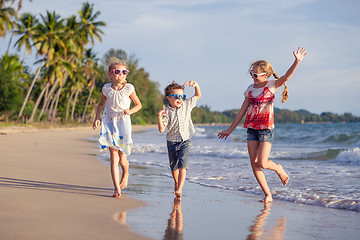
175, 175
124, 163
253, 148
114, 169
181, 181
265, 163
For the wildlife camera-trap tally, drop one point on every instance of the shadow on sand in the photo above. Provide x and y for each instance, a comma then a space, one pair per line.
56, 187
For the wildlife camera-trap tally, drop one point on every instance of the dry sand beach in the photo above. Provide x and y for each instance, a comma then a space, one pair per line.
53, 186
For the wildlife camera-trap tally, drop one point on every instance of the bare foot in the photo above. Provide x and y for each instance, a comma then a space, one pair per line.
124, 181
267, 199
178, 194
116, 195
282, 175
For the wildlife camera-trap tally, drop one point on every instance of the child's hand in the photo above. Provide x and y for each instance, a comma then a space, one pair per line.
224, 134
162, 112
96, 124
300, 54
126, 112
190, 84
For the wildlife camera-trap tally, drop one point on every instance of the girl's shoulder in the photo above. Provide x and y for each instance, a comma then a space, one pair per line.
271, 86
271, 83
106, 88
249, 88
129, 88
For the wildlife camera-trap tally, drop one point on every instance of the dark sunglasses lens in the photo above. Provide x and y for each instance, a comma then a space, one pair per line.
178, 96
117, 71
125, 72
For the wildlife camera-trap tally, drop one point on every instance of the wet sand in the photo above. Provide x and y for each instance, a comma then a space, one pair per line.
212, 213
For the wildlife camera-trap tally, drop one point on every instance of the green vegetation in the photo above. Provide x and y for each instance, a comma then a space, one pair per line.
66, 84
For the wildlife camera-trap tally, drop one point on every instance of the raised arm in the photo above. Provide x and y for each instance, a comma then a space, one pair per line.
197, 88
161, 125
236, 121
299, 55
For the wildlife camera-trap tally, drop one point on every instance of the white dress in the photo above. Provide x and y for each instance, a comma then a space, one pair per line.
116, 126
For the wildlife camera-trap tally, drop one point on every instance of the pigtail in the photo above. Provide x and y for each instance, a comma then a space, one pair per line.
284, 94
266, 67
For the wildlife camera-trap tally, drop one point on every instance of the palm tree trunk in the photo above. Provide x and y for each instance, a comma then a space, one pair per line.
48, 98
46, 88
74, 104
93, 113
68, 106
87, 103
30, 88
53, 113
66, 75
49, 111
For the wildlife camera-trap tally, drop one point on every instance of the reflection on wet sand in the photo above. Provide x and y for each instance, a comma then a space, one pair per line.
174, 229
120, 217
258, 230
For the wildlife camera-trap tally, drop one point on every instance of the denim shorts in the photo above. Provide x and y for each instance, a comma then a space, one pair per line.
265, 135
178, 154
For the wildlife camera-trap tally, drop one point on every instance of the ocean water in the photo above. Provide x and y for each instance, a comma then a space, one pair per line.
322, 160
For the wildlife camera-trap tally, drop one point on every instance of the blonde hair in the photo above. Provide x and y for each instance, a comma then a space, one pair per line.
266, 67
113, 61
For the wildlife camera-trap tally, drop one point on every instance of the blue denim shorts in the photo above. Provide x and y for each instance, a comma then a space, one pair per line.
265, 135
178, 154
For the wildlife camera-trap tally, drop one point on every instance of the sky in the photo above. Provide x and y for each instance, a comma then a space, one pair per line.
214, 43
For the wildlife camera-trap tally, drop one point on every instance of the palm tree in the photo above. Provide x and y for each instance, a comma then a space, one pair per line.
49, 34
26, 29
74, 38
16, 20
48, 39
75, 87
55, 73
89, 27
74, 42
91, 71
6, 13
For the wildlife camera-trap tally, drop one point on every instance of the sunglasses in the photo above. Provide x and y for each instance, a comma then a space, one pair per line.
177, 96
256, 75
117, 71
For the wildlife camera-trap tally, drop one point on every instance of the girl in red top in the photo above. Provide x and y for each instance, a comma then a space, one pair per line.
258, 104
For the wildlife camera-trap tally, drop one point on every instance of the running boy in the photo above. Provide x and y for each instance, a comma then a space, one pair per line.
177, 119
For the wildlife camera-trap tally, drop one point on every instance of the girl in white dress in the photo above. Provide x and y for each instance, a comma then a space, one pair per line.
116, 124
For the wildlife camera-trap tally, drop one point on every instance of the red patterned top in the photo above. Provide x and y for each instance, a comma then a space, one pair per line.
260, 113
